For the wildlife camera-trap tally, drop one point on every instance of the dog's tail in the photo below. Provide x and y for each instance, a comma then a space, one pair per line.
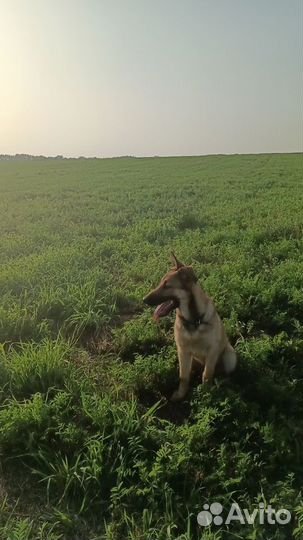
229, 358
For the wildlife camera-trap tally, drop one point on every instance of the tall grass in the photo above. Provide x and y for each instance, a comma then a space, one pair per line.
90, 446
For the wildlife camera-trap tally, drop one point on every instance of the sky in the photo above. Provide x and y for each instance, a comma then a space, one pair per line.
150, 77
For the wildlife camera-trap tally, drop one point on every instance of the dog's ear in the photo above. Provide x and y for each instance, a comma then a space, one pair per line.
178, 264
187, 276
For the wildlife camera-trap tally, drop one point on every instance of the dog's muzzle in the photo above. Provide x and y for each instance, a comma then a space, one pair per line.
164, 304
153, 299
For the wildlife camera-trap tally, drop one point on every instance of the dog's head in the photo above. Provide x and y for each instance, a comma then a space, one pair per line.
172, 289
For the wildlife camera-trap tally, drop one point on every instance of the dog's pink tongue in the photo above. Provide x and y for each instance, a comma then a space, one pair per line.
163, 309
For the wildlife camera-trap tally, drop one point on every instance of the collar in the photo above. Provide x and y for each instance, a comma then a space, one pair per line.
193, 324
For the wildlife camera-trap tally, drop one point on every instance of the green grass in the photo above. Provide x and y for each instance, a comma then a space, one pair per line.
90, 448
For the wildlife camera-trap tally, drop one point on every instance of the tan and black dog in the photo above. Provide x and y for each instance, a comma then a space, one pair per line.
199, 331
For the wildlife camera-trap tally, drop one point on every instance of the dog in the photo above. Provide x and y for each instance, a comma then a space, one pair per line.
199, 330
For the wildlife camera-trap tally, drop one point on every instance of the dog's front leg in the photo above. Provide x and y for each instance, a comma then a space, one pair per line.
185, 360
209, 370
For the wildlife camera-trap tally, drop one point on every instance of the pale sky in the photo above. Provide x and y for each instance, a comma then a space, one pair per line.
150, 77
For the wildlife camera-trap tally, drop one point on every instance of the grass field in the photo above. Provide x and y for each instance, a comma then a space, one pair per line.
90, 448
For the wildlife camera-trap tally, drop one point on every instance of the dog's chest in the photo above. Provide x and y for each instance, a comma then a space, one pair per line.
196, 343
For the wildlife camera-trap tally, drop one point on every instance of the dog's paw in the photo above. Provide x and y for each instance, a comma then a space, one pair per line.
207, 382
207, 377
177, 396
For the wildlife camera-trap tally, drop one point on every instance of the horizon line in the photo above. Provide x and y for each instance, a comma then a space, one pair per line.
26, 156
